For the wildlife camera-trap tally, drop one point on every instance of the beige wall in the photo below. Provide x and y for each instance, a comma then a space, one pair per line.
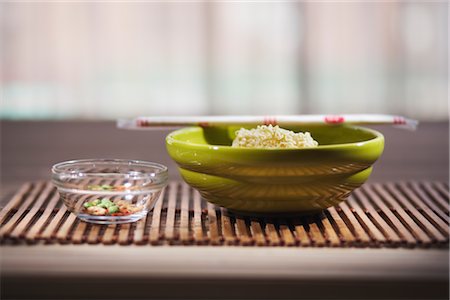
117, 59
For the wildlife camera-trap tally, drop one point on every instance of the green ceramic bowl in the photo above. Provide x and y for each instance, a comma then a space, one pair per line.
271, 181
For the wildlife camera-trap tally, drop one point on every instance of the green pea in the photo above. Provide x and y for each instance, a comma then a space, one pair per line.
113, 209
87, 204
95, 202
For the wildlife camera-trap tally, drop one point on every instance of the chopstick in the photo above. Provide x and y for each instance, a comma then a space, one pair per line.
281, 120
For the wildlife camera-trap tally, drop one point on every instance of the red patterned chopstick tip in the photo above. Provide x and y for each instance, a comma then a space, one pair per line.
334, 119
399, 120
270, 121
141, 123
203, 124
274, 121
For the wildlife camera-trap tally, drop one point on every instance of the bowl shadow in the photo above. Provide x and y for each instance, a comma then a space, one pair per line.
301, 218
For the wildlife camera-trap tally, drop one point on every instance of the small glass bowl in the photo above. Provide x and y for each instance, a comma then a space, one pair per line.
109, 191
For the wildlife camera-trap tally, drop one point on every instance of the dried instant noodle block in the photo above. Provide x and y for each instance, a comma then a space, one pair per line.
272, 137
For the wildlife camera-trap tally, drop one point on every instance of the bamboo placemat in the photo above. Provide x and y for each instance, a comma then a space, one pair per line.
405, 214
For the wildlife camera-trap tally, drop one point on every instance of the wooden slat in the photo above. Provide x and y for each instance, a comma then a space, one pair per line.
108, 236
20, 229
154, 234
272, 234
139, 229
360, 234
94, 234
184, 215
443, 189
63, 231
372, 230
124, 234
78, 235
330, 233
242, 232
346, 235
287, 236
15, 200
257, 233
214, 236
316, 235
169, 233
302, 236
425, 201
138, 234
197, 226
419, 217
34, 232
8, 227
397, 225
54, 224
390, 234
425, 210
410, 226
227, 228
441, 202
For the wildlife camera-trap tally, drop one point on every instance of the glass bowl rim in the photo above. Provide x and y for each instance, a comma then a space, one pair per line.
159, 171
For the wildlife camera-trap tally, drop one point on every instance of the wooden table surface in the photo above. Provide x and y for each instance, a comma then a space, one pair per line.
28, 149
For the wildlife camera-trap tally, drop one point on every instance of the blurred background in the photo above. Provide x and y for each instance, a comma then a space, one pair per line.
80, 60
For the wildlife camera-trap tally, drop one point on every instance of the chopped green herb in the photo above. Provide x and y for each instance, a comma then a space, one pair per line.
105, 207
113, 209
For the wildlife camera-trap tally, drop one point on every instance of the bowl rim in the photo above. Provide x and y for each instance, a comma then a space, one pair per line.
378, 136
160, 171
